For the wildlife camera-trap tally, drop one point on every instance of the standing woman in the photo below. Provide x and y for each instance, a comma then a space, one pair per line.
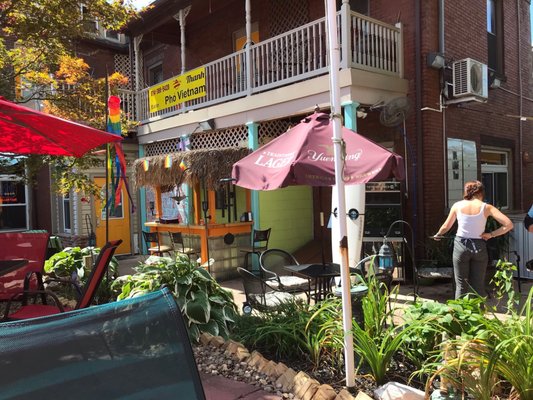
470, 257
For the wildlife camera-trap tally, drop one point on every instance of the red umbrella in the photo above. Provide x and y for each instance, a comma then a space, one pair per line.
26, 131
304, 156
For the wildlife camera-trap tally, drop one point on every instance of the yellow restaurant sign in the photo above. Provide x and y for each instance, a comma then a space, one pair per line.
179, 89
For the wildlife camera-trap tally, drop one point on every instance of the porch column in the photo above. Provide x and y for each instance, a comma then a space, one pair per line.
399, 50
247, 47
142, 209
354, 198
253, 143
180, 17
187, 189
346, 37
136, 54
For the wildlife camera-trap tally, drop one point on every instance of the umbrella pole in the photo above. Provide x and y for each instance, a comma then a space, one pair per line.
334, 56
107, 154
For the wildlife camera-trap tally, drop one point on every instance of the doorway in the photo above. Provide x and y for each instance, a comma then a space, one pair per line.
119, 220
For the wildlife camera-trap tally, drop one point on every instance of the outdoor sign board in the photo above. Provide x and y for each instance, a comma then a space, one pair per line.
177, 90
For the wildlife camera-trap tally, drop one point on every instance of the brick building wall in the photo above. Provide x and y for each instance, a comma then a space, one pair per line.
486, 124
427, 132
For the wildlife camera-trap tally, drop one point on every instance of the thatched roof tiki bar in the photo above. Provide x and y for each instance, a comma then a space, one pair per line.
187, 187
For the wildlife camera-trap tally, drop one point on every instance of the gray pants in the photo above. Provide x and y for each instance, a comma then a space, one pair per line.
470, 260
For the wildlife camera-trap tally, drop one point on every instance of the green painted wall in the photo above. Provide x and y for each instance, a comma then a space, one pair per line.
289, 212
241, 207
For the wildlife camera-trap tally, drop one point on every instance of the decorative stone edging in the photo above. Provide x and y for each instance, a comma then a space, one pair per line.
285, 379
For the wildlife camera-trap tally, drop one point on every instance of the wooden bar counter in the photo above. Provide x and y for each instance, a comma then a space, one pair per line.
227, 257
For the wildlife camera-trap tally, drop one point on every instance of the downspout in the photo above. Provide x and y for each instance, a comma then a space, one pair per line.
418, 214
181, 19
442, 50
520, 105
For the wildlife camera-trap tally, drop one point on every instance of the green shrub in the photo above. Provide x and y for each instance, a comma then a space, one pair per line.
69, 265
461, 317
205, 305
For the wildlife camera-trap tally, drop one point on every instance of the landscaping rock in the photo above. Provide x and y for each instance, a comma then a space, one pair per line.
325, 392
255, 359
308, 390
279, 370
269, 368
205, 338
300, 380
360, 396
286, 381
217, 341
398, 391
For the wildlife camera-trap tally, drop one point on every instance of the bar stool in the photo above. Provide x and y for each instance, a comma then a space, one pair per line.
159, 249
178, 245
259, 244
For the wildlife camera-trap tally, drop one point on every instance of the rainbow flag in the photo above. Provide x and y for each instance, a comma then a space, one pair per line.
168, 161
113, 122
116, 163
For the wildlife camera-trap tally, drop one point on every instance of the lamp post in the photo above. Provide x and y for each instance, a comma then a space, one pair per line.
386, 255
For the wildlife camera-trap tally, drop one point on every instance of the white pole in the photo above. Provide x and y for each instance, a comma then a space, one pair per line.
334, 62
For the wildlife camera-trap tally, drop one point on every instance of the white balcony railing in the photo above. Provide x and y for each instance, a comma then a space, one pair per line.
294, 56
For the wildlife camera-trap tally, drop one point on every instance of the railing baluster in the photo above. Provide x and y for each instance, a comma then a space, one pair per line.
287, 58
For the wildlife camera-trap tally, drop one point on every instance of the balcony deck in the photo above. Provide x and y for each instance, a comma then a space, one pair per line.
297, 55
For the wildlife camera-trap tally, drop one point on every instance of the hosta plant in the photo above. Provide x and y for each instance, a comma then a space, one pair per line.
205, 305
69, 265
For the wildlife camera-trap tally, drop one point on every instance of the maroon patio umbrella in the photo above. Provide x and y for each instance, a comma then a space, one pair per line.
26, 131
304, 156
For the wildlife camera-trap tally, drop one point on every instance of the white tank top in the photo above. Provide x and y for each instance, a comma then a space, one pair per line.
471, 226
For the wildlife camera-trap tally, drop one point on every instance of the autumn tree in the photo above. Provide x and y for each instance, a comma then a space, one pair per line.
37, 39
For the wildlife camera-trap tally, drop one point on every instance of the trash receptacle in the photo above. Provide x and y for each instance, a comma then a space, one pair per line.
356, 293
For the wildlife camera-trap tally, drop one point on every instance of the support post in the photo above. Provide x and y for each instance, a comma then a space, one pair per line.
334, 56
253, 143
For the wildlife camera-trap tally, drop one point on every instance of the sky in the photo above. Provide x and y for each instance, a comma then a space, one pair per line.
142, 3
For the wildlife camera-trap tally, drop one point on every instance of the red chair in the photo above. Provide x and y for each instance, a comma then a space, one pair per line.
87, 296
30, 246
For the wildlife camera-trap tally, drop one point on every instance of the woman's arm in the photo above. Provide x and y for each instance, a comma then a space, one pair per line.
506, 223
448, 223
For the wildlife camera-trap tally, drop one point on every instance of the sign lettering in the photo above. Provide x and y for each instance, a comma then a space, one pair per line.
178, 89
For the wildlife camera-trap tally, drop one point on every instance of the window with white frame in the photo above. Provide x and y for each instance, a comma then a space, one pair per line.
67, 224
495, 177
462, 167
13, 204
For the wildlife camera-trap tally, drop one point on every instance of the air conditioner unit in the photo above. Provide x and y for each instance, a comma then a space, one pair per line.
470, 78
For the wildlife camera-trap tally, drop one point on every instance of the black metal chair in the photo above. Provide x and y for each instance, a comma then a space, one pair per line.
272, 263
260, 240
178, 245
159, 249
259, 294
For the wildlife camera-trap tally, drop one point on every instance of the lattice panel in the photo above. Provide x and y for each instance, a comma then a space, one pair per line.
123, 66
236, 136
163, 147
287, 15
142, 83
272, 129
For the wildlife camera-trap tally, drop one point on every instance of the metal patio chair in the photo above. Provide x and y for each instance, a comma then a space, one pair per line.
273, 262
